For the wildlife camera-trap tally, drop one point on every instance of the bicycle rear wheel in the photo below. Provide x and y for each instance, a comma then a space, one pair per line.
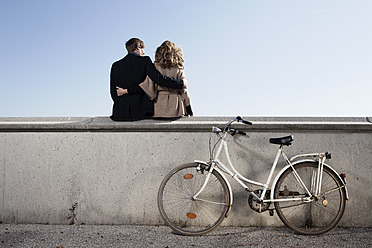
185, 215
315, 217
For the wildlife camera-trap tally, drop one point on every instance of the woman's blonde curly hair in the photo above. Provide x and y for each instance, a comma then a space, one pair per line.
168, 55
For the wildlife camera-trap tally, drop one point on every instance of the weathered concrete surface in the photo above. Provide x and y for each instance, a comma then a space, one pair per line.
96, 171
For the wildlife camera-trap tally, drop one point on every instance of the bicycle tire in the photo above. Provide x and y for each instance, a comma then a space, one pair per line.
319, 215
185, 215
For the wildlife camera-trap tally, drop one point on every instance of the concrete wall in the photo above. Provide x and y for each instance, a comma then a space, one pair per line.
95, 171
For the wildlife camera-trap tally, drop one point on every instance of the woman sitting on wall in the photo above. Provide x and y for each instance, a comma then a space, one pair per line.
168, 103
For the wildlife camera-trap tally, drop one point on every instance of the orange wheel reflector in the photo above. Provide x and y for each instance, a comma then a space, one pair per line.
191, 215
188, 176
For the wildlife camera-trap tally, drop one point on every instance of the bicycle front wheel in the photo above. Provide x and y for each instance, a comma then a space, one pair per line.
320, 214
188, 216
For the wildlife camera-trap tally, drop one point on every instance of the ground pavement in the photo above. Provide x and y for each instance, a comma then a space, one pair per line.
64, 236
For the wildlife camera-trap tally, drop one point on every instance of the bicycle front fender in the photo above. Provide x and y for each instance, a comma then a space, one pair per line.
302, 161
224, 178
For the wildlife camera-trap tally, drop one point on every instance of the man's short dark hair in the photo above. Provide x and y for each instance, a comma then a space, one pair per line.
132, 44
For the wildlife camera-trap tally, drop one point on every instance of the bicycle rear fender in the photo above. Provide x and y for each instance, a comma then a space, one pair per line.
302, 161
224, 178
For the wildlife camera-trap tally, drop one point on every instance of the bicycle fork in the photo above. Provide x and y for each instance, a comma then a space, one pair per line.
209, 172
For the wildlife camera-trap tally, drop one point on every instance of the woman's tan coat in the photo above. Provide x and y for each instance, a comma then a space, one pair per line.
168, 103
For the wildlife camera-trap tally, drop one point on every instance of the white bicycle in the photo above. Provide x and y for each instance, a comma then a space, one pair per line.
308, 195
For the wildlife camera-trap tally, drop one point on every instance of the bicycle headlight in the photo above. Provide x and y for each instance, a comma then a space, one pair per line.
216, 130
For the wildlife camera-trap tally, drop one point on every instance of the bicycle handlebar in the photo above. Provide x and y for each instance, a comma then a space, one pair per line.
230, 130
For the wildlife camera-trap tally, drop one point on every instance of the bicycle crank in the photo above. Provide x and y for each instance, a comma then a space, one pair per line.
255, 204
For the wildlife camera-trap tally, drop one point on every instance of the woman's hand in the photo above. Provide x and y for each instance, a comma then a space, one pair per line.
121, 91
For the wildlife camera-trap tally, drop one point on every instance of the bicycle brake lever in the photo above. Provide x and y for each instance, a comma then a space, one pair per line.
232, 132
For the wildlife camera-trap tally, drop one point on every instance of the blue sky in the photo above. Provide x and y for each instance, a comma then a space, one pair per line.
249, 57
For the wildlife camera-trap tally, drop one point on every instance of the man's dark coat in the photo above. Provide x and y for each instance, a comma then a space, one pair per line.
128, 73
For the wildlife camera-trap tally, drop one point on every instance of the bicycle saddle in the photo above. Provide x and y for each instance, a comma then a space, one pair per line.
287, 140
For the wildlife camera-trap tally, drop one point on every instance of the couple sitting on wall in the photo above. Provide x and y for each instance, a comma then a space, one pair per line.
143, 90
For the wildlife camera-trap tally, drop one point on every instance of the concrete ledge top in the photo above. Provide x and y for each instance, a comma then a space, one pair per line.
193, 124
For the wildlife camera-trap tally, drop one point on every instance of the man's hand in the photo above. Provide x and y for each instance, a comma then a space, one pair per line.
121, 91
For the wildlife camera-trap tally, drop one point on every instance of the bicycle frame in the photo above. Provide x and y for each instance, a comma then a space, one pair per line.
314, 192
